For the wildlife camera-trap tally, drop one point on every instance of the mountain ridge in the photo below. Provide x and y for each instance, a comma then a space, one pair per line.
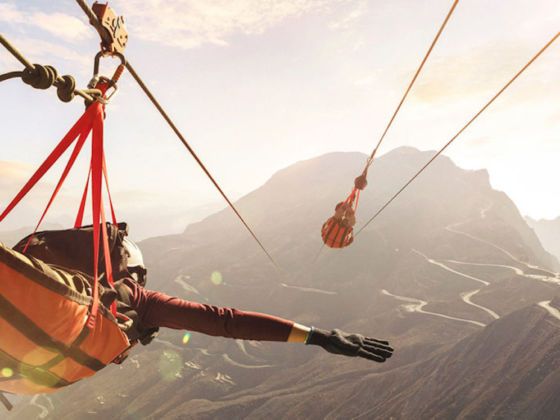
439, 266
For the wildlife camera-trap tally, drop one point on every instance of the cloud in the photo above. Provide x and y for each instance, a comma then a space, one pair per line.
41, 51
192, 23
10, 13
61, 25
13, 176
64, 26
22, 33
348, 19
480, 70
13, 172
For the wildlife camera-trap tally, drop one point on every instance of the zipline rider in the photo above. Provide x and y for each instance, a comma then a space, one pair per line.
142, 311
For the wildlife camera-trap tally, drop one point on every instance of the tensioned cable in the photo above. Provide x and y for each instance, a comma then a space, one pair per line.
93, 20
548, 44
408, 89
371, 158
15, 52
10, 75
57, 80
195, 156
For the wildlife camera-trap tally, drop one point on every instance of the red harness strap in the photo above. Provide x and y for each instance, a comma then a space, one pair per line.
80, 216
75, 152
90, 121
338, 230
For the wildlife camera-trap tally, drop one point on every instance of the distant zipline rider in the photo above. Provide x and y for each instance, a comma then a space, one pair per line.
338, 230
73, 301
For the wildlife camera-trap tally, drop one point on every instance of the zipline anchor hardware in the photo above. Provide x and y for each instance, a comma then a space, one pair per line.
111, 82
43, 76
114, 37
112, 29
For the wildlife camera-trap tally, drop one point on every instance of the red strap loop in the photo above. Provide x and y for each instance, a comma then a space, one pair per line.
90, 121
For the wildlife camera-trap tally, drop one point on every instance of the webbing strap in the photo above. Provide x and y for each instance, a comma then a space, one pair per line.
80, 216
357, 200
66, 141
113, 216
90, 121
353, 198
98, 213
75, 153
6, 402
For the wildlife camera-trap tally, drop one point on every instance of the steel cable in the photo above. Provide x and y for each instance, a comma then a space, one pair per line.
106, 37
409, 88
440, 151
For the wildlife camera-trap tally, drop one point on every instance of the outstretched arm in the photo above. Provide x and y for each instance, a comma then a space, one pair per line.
156, 309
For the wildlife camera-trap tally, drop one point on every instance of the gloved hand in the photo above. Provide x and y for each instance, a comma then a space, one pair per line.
353, 345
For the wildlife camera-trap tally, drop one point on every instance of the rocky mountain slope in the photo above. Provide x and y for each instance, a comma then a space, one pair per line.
449, 262
548, 232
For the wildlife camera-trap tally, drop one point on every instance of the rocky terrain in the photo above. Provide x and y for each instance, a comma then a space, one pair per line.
548, 232
450, 273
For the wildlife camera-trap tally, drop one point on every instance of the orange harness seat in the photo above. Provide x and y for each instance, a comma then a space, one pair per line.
46, 343
338, 230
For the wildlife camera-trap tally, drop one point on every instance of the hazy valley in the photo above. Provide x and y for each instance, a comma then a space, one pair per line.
450, 273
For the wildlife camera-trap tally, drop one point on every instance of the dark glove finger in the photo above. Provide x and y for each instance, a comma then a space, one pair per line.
375, 344
379, 351
377, 341
370, 356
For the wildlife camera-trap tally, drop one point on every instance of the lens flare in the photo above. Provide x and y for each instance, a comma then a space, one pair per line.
6, 373
186, 338
170, 365
216, 278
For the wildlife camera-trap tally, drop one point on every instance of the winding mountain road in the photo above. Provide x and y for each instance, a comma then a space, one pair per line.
45, 411
440, 264
309, 289
551, 309
452, 229
465, 296
516, 270
417, 305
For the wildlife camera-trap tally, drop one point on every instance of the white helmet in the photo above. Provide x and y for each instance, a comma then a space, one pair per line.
135, 261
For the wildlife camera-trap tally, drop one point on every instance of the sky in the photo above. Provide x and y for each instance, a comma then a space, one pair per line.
257, 85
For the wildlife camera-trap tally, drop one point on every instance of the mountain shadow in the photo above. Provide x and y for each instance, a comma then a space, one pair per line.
450, 260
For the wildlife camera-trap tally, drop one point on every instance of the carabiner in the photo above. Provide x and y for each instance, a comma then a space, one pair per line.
112, 82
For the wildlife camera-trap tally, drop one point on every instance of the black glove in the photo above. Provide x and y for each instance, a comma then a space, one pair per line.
353, 345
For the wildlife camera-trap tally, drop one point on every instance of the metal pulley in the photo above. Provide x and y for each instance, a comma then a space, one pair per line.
114, 35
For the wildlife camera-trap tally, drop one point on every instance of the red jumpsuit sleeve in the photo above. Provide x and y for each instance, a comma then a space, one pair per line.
156, 309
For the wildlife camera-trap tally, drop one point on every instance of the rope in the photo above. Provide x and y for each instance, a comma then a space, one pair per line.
105, 36
103, 33
6, 402
10, 75
15, 52
196, 158
537, 55
361, 181
43, 77
372, 156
